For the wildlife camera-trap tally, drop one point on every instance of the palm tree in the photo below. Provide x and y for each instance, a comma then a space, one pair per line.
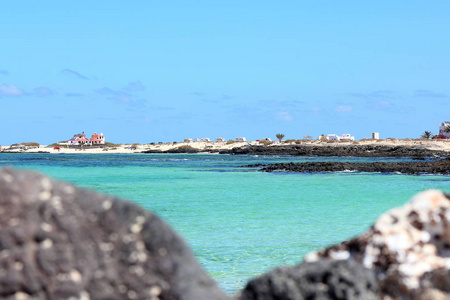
280, 136
426, 135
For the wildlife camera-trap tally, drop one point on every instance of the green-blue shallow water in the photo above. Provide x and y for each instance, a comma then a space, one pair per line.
239, 222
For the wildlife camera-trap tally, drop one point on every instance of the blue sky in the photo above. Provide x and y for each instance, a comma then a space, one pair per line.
150, 71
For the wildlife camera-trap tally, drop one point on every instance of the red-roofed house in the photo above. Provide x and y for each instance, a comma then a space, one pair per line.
80, 139
97, 139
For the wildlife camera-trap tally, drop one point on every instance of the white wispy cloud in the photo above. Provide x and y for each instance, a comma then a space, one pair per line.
74, 95
344, 108
316, 109
43, 91
284, 116
73, 74
429, 94
199, 94
8, 90
374, 95
284, 104
116, 95
226, 97
135, 86
390, 107
385, 101
144, 120
381, 105
120, 96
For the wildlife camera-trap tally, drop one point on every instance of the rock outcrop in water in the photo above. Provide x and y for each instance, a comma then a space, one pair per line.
61, 242
337, 150
418, 152
416, 167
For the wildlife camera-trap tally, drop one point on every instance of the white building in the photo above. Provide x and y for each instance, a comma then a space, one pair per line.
206, 140
78, 139
196, 140
220, 139
333, 137
241, 139
347, 137
188, 140
266, 140
376, 135
442, 127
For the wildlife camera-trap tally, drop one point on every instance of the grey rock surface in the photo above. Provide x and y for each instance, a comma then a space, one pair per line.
61, 242
318, 280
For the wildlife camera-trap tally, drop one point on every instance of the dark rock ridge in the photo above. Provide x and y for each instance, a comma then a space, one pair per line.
417, 167
181, 149
313, 150
337, 150
61, 242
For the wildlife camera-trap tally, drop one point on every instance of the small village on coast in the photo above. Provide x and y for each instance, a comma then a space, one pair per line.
97, 143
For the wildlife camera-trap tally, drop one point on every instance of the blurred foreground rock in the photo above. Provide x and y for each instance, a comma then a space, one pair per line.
317, 280
408, 248
404, 255
61, 242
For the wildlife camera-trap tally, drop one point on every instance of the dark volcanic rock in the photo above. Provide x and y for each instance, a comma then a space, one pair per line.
408, 248
417, 167
183, 149
314, 150
318, 280
337, 150
61, 242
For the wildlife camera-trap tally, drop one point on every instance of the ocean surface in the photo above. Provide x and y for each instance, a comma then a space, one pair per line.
239, 222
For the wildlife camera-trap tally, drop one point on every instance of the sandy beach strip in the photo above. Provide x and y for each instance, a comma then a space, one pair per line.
211, 147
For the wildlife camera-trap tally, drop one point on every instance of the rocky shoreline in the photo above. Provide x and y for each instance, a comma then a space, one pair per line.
338, 150
441, 167
317, 150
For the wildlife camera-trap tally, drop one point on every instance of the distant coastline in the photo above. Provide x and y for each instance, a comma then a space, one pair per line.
417, 148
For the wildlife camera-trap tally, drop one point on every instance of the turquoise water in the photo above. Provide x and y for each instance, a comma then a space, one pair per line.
239, 222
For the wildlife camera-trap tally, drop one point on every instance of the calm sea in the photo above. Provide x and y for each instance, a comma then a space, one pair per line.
239, 222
